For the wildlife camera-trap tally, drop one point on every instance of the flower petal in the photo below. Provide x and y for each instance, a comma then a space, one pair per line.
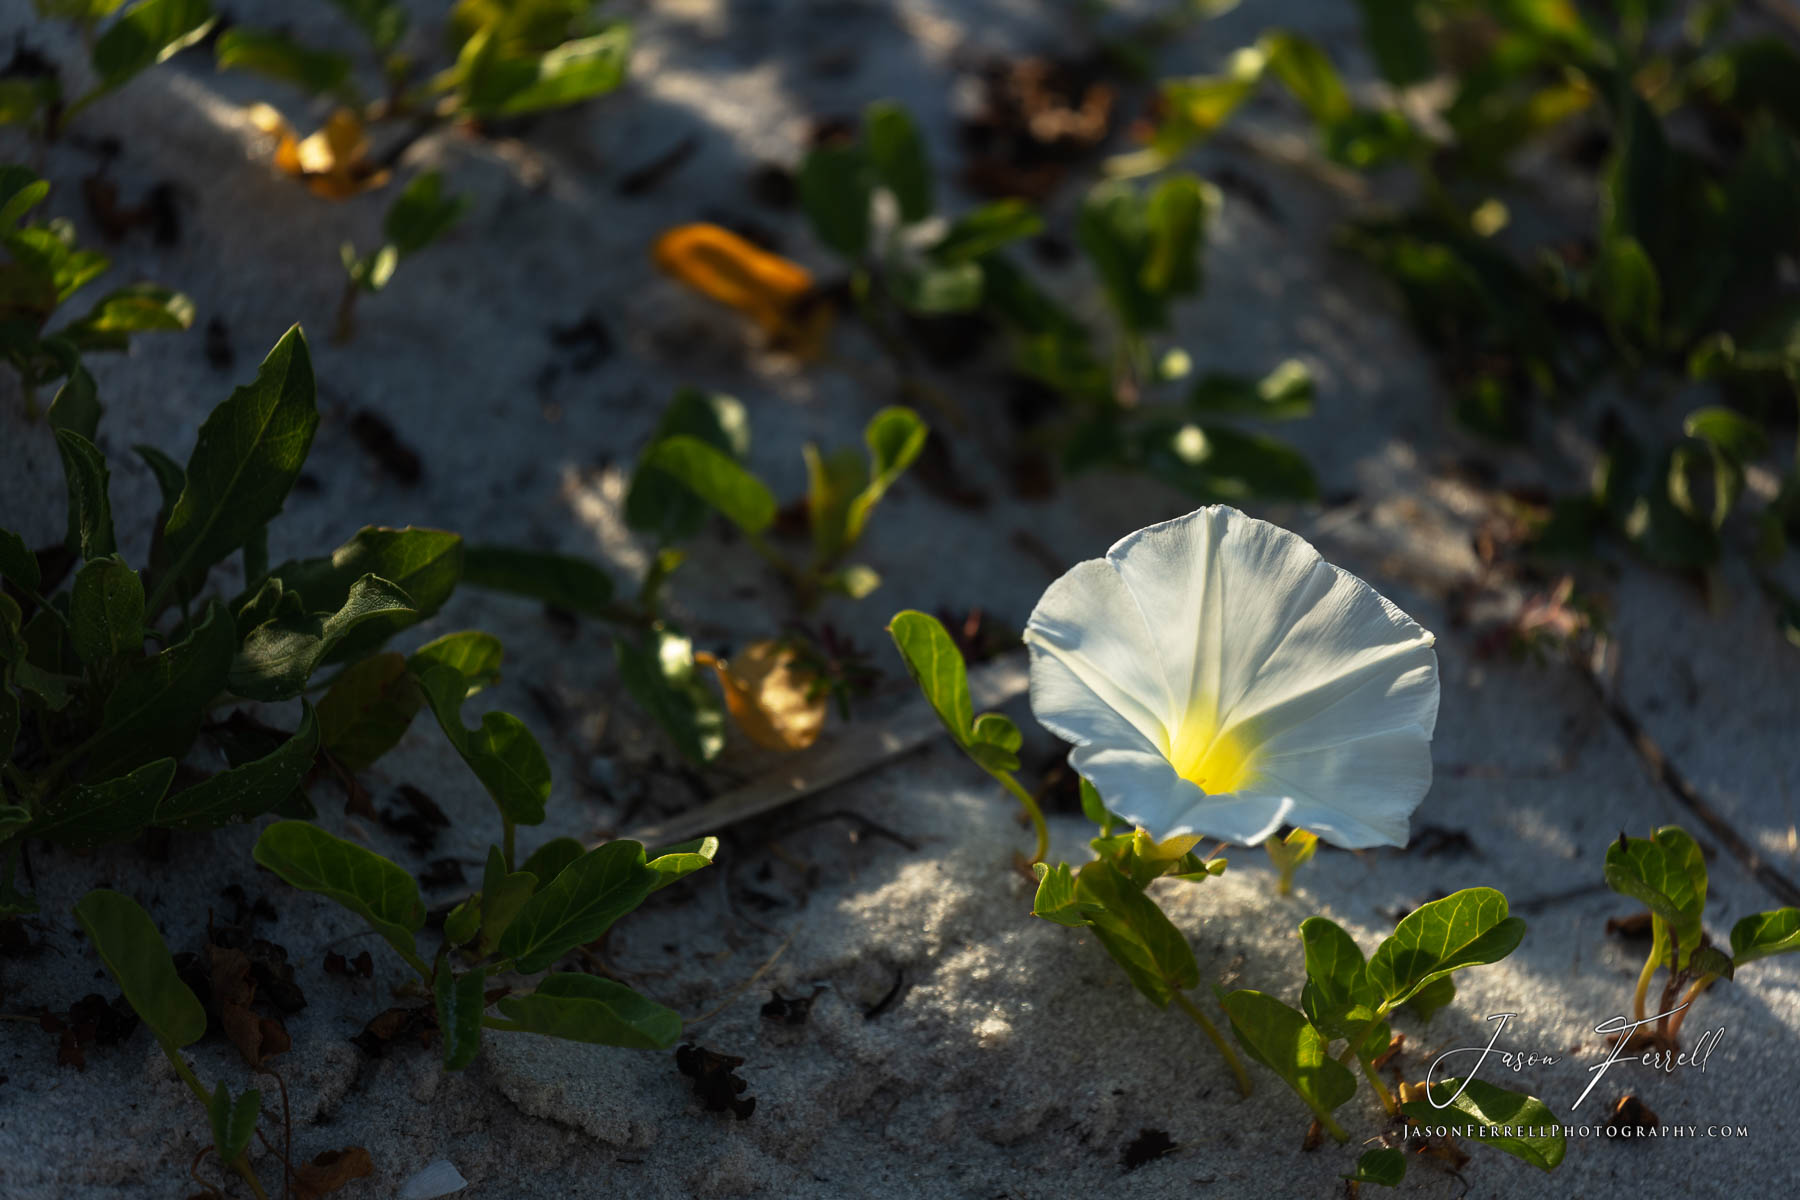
1356, 793
1093, 662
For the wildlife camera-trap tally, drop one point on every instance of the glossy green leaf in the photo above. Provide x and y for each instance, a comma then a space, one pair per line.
18, 565
368, 709
233, 1121
559, 580
1760, 935
501, 751
1433, 996
421, 214
1136, 933
898, 159
549, 859
977, 234
1483, 1112
133, 950
1305, 70
835, 185
154, 710
568, 74
656, 503
1282, 1040
475, 654
93, 814
579, 905
139, 308
1729, 432
937, 667
503, 894
148, 32
1284, 394
1464, 929
460, 1000
1176, 214
658, 671
424, 563
673, 863
21, 190
895, 437
1667, 874
1338, 997
249, 789
279, 56
90, 507
279, 657
106, 610
367, 884
249, 452
1056, 900
715, 477
587, 1008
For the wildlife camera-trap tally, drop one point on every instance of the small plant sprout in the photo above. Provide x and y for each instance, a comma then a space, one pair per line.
419, 216
1666, 872
1349, 999
1219, 679
43, 269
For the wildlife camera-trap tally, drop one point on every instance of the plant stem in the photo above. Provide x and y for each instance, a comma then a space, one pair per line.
1031, 810
1374, 1078
242, 1165
1231, 1058
1693, 993
1643, 983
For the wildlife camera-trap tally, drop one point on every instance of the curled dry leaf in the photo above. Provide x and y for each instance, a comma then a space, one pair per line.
333, 162
772, 291
771, 694
330, 1171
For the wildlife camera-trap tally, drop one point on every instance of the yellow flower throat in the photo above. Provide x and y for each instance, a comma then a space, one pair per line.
1215, 760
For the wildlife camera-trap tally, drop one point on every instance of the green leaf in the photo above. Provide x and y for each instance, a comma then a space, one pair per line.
90, 509
549, 859
1284, 394
1728, 432
895, 437
280, 57
248, 455
155, 708
1667, 874
1216, 464
579, 905
559, 580
1481, 1111
658, 671
898, 159
460, 1001
501, 751
1338, 997
477, 655
106, 610
279, 656
932, 289
1433, 996
424, 563
1384, 1165
1393, 34
140, 308
170, 478
13, 818
835, 185
21, 190
977, 234
674, 863
133, 950
1308, 75
937, 667
367, 710
503, 894
421, 214
1136, 933
1056, 900
1760, 935
149, 32
658, 504
367, 884
715, 477
93, 814
382, 21
572, 72
587, 1008
994, 742
77, 404
18, 565
247, 790
1464, 929
233, 1122
1176, 214
1285, 1042
1626, 290
1114, 234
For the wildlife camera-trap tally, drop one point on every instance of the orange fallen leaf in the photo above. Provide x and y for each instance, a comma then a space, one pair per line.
771, 694
772, 291
330, 1171
333, 162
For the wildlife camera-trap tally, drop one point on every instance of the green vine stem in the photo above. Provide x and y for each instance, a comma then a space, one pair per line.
1043, 835
1231, 1059
1687, 1002
1644, 976
241, 1167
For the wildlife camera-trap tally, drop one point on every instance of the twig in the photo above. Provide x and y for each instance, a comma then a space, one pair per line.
735, 992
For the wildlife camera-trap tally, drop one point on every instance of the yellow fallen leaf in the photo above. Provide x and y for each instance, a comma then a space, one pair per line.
333, 162
772, 291
771, 695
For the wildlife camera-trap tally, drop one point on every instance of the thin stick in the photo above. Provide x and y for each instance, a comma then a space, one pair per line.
735, 992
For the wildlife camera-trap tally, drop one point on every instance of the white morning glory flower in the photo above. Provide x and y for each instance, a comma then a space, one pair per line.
1218, 678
